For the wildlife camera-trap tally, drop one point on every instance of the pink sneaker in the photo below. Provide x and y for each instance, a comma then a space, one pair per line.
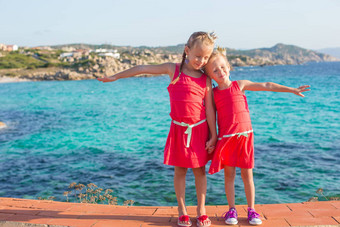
253, 217
230, 217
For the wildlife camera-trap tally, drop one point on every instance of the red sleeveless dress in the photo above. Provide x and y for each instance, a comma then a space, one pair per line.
187, 107
235, 145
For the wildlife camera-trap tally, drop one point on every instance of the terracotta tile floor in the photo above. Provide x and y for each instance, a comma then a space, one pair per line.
24, 212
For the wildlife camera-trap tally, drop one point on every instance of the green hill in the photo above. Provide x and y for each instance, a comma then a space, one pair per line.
283, 54
48, 63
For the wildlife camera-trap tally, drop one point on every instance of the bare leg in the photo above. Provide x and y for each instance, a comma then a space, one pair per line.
229, 184
179, 183
249, 188
201, 191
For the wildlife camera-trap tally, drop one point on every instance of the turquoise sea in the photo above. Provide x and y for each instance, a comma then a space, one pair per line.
113, 135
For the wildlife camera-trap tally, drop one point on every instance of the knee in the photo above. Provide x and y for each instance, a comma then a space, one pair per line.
247, 175
180, 171
199, 172
229, 176
229, 173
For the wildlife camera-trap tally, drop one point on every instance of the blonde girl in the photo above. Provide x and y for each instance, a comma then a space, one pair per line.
192, 134
235, 146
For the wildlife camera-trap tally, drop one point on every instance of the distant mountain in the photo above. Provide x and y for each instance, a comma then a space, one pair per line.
280, 54
177, 49
335, 51
174, 49
47, 63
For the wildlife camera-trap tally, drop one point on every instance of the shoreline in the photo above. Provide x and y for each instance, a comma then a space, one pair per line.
6, 79
59, 74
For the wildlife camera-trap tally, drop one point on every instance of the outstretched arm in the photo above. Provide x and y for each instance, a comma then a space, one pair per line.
211, 117
269, 86
166, 68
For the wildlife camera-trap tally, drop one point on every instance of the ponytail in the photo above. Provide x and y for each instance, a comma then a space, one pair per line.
183, 60
180, 68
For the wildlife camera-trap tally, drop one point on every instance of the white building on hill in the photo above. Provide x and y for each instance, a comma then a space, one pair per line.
5, 47
107, 53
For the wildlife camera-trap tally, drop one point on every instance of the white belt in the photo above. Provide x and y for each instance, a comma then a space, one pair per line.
189, 129
237, 134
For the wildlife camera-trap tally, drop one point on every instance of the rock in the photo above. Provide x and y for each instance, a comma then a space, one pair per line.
99, 66
126, 61
237, 62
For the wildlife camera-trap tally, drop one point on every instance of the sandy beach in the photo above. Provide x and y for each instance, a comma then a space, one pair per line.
6, 79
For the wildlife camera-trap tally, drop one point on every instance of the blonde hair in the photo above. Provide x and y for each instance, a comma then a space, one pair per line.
219, 51
203, 37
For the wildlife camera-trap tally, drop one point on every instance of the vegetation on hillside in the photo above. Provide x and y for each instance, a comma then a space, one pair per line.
33, 59
17, 60
81, 61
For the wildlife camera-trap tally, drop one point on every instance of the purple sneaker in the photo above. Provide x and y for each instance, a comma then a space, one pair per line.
253, 217
230, 217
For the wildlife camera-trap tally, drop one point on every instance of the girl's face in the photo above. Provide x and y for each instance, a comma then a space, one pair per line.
198, 55
218, 69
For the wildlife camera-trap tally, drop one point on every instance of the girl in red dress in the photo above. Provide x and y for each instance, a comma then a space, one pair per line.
193, 128
235, 145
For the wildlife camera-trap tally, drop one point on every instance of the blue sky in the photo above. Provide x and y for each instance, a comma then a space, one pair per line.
242, 24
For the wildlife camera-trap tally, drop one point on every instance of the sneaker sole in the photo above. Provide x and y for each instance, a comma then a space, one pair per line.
255, 223
231, 223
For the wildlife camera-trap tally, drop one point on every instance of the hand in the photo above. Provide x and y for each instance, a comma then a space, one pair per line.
211, 149
301, 89
107, 79
210, 145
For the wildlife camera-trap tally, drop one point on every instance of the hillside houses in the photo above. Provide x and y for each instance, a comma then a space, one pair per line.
5, 47
80, 53
76, 53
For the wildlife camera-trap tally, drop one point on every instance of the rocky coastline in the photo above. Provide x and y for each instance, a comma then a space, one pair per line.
99, 66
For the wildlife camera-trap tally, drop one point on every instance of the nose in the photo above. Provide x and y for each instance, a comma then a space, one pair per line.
220, 72
200, 60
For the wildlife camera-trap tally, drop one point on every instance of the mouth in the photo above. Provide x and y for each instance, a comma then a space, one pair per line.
223, 75
198, 65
